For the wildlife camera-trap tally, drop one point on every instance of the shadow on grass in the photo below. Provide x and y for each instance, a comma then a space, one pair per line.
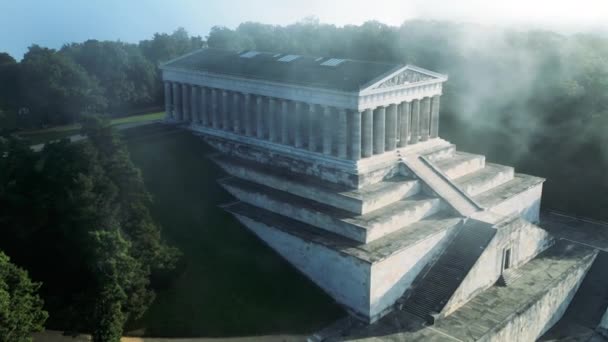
232, 284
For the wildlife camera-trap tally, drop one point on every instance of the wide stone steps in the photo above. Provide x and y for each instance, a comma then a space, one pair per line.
441, 152
484, 179
362, 228
434, 289
507, 190
375, 251
358, 201
460, 164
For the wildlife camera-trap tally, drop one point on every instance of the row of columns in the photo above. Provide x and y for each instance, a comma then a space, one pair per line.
329, 130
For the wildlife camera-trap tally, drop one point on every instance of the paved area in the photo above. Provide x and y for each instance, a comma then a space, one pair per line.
57, 336
582, 230
78, 137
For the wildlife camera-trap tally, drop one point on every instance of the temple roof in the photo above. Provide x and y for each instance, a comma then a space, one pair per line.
320, 72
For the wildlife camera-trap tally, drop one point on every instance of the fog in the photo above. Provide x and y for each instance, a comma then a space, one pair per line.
58, 22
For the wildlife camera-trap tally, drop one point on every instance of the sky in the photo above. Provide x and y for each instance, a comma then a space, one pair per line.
53, 23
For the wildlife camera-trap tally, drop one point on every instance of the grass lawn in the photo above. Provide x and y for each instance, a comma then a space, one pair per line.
53, 133
233, 284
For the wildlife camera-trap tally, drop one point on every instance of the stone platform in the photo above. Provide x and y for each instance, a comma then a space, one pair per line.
522, 311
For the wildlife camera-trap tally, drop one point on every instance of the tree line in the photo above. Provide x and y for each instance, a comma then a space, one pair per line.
52, 87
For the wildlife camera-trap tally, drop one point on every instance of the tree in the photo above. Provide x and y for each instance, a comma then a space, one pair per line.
126, 77
164, 47
55, 89
21, 310
5, 58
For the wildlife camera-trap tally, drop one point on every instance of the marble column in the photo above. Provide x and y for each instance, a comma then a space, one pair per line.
204, 99
215, 114
285, 122
225, 113
186, 102
415, 131
236, 112
259, 117
313, 137
177, 102
379, 130
391, 127
435, 116
341, 129
404, 123
168, 101
248, 118
355, 135
273, 123
367, 133
425, 118
194, 105
298, 136
327, 130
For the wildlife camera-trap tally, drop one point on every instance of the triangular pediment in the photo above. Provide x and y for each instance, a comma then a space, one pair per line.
405, 77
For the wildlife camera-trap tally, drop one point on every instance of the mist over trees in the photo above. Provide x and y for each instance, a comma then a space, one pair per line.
537, 100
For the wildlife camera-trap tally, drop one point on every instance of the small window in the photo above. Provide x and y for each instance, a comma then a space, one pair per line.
333, 62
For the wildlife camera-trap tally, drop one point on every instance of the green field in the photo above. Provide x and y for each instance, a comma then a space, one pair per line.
40, 136
232, 284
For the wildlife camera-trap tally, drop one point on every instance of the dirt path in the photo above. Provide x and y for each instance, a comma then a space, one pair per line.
57, 336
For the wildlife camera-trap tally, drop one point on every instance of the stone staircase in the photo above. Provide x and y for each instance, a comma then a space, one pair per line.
433, 290
509, 277
411, 207
440, 183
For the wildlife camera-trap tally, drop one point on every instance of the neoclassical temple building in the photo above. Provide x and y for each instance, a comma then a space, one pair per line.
338, 165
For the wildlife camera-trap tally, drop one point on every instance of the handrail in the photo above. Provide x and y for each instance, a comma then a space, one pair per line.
449, 181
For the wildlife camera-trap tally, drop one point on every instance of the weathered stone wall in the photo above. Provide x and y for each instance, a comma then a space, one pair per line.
391, 277
344, 277
526, 204
531, 322
525, 240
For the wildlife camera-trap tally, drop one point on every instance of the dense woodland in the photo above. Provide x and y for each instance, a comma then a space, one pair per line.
75, 216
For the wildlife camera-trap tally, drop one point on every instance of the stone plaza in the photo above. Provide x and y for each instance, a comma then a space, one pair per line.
338, 166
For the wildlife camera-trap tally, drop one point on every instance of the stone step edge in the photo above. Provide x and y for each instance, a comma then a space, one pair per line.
340, 244
345, 218
352, 200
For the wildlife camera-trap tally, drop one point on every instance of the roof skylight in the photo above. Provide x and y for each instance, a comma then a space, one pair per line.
288, 58
333, 62
250, 54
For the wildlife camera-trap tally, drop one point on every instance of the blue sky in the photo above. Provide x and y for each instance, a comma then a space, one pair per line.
54, 22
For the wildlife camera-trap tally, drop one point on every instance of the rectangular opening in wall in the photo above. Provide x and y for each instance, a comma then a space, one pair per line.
506, 259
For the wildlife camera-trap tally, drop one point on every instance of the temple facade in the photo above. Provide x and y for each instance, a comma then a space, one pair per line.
338, 165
